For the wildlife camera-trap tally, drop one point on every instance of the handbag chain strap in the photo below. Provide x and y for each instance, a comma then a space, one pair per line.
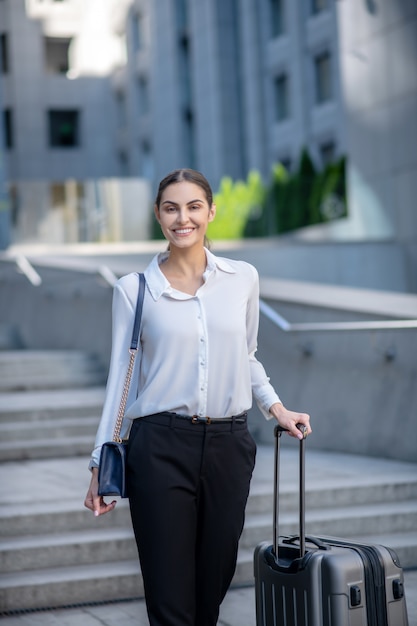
132, 351
125, 393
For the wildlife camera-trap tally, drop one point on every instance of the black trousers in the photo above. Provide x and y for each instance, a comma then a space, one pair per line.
188, 486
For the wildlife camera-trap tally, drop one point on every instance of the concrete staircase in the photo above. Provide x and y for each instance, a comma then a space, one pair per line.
53, 552
50, 403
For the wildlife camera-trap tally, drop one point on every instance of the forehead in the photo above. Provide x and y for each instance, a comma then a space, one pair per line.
183, 191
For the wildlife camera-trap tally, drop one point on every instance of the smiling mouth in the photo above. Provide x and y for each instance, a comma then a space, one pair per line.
183, 231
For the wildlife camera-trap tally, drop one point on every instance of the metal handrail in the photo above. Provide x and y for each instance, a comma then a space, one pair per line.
287, 327
28, 270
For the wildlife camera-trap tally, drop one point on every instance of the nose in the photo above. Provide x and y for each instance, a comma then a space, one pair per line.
182, 216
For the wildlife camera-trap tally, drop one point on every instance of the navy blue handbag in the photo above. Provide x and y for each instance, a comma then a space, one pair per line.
112, 465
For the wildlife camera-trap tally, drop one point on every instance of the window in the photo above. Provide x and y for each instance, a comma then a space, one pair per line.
8, 128
188, 136
184, 71
63, 128
327, 152
319, 5
277, 17
56, 54
4, 54
138, 32
323, 77
123, 163
121, 110
181, 13
143, 95
281, 89
147, 165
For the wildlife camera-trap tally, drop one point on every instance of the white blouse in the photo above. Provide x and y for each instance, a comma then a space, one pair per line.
197, 353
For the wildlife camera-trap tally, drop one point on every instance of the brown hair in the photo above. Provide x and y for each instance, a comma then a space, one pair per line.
184, 174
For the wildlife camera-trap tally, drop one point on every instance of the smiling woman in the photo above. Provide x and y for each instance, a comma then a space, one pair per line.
190, 455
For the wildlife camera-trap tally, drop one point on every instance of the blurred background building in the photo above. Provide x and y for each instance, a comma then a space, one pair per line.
128, 90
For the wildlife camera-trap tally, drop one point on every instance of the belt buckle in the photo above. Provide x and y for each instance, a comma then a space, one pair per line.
195, 419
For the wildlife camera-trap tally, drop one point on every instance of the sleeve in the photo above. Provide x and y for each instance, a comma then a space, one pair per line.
262, 390
122, 324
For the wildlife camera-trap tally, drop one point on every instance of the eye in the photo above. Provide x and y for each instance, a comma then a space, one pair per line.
170, 209
195, 207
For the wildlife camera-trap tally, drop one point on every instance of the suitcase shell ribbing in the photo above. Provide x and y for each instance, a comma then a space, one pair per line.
325, 581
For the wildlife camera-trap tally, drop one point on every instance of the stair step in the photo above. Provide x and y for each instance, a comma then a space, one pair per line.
48, 430
102, 542
341, 522
49, 381
30, 449
116, 580
39, 369
107, 581
24, 519
52, 404
43, 588
66, 549
350, 494
24, 358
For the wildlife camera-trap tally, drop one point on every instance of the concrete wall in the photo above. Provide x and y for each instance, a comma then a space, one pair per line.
358, 386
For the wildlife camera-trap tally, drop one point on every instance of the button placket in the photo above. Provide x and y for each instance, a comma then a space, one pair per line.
202, 361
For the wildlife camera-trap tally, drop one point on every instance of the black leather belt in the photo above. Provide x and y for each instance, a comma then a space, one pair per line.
197, 419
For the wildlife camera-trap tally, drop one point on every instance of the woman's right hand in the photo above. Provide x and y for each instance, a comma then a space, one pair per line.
93, 501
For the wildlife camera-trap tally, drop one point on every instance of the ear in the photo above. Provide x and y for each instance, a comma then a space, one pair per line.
156, 211
212, 213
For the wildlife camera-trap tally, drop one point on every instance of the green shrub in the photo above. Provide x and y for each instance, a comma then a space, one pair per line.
234, 203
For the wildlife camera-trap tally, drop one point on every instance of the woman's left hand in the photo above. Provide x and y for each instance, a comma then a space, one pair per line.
289, 420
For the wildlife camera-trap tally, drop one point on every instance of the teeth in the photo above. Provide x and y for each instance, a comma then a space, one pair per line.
184, 231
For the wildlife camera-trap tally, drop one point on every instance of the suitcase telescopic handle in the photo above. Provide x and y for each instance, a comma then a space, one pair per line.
278, 430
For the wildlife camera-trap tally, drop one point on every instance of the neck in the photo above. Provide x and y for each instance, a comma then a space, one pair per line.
187, 261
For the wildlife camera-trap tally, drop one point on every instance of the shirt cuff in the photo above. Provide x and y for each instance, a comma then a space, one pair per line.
266, 400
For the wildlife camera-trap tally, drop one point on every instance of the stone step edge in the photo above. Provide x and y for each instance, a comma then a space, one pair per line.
18, 427
259, 521
59, 587
47, 576
53, 444
28, 542
49, 399
379, 509
28, 354
11, 511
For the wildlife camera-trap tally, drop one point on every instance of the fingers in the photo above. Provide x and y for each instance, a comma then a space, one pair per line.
100, 507
302, 426
290, 419
94, 502
97, 505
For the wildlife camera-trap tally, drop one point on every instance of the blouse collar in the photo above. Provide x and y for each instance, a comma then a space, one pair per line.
158, 284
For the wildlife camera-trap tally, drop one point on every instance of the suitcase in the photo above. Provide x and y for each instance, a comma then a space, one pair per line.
324, 581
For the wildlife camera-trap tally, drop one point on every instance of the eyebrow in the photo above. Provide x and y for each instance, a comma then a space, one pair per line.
176, 204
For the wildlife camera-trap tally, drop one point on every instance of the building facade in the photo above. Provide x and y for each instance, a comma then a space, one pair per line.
227, 86
135, 88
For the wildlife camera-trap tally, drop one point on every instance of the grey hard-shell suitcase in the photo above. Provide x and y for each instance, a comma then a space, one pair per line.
311, 581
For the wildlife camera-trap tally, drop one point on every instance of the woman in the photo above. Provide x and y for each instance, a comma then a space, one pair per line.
190, 454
